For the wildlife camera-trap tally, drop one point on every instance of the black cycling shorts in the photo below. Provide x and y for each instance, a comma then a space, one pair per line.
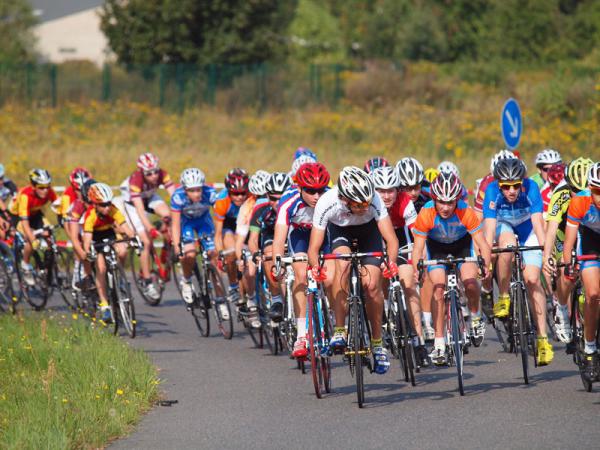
461, 248
367, 235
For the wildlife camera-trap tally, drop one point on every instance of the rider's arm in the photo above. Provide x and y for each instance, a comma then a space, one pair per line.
389, 236
87, 242
176, 228
317, 236
551, 230
73, 231
138, 203
538, 227
570, 238
27, 230
218, 235
484, 248
253, 241
124, 228
489, 231
417, 251
281, 232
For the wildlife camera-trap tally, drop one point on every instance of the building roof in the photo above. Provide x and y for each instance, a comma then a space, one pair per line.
46, 10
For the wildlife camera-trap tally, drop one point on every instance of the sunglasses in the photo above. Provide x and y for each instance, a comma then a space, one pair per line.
311, 191
595, 191
545, 169
507, 187
357, 205
193, 190
274, 198
238, 193
43, 188
446, 202
103, 205
149, 173
411, 188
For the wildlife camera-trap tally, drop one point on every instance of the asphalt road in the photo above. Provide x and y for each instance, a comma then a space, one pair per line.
232, 395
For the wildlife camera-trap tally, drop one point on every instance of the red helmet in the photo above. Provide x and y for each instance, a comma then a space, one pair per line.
312, 175
237, 180
374, 163
446, 187
556, 173
78, 176
147, 161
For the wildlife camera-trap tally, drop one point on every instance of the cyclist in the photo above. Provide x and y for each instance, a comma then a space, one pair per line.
77, 177
555, 175
403, 215
257, 188
374, 163
354, 211
448, 226
294, 224
575, 180
7, 187
513, 206
450, 167
102, 221
262, 232
584, 217
543, 162
27, 205
413, 181
226, 209
428, 176
191, 219
139, 197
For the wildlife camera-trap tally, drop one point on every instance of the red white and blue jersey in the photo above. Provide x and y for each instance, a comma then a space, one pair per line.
293, 211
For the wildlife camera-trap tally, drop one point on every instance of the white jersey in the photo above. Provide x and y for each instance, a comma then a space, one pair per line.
331, 209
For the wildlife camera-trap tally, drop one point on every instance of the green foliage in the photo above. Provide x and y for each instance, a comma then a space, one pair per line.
16, 42
67, 385
315, 34
197, 31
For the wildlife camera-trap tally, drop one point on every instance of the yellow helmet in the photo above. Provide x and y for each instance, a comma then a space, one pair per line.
431, 174
576, 173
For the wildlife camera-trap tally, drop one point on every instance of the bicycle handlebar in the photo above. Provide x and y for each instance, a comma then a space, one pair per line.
449, 261
517, 248
345, 256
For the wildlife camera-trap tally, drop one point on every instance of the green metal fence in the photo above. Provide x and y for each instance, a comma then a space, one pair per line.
174, 86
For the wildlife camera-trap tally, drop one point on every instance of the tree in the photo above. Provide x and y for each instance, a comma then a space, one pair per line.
197, 31
16, 21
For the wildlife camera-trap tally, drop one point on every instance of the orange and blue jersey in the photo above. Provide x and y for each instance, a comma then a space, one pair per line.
225, 210
101, 222
430, 225
582, 211
67, 198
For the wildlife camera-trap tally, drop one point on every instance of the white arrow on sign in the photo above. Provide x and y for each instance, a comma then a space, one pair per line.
514, 125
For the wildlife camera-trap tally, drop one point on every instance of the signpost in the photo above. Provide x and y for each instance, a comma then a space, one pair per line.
512, 123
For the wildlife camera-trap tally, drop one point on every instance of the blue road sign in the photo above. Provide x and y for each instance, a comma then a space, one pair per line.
512, 123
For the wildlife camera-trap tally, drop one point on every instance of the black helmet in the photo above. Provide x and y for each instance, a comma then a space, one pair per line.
510, 170
85, 187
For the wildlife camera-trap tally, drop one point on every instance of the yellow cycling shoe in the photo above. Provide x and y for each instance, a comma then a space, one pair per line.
545, 351
502, 307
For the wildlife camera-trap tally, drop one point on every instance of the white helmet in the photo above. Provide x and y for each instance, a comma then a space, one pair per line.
385, 177
356, 185
502, 154
192, 178
100, 193
302, 159
594, 175
446, 187
278, 183
258, 183
547, 156
410, 171
449, 167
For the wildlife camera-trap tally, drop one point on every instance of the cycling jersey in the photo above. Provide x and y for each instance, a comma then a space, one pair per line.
584, 213
136, 186
181, 203
27, 204
263, 221
518, 214
421, 200
66, 200
294, 212
242, 225
480, 193
557, 208
226, 211
546, 192
76, 211
330, 209
7, 190
462, 222
94, 222
537, 179
402, 212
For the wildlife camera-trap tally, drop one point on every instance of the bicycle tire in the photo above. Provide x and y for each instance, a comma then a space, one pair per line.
62, 273
125, 302
214, 285
200, 305
313, 339
6, 290
522, 343
177, 273
457, 345
37, 295
402, 337
327, 332
356, 348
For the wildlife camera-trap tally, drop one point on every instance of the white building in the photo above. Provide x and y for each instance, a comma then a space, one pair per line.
70, 30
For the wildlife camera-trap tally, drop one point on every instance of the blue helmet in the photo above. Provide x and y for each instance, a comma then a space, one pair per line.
304, 151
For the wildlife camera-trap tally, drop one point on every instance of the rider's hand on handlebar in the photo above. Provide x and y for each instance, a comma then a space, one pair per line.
549, 267
319, 273
277, 273
571, 272
390, 269
154, 233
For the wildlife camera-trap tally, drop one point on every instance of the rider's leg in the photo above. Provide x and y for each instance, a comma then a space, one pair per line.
504, 263
101, 280
407, 278
371, 281
340, 287
468, 274
425, 297
228, 244
438, 281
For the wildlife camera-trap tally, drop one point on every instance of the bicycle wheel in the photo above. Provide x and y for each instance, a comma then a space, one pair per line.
314, 335
404, 340
356, 349
125, 302
6, 289
457, 344
37, 294
216, 291
154, 277
177, 272
390, 328
522, 340
201, 304
61, 274
327, 333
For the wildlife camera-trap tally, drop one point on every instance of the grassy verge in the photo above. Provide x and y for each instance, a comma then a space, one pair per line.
66, 385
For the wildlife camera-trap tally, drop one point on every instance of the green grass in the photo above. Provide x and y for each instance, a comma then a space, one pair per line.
64, 384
